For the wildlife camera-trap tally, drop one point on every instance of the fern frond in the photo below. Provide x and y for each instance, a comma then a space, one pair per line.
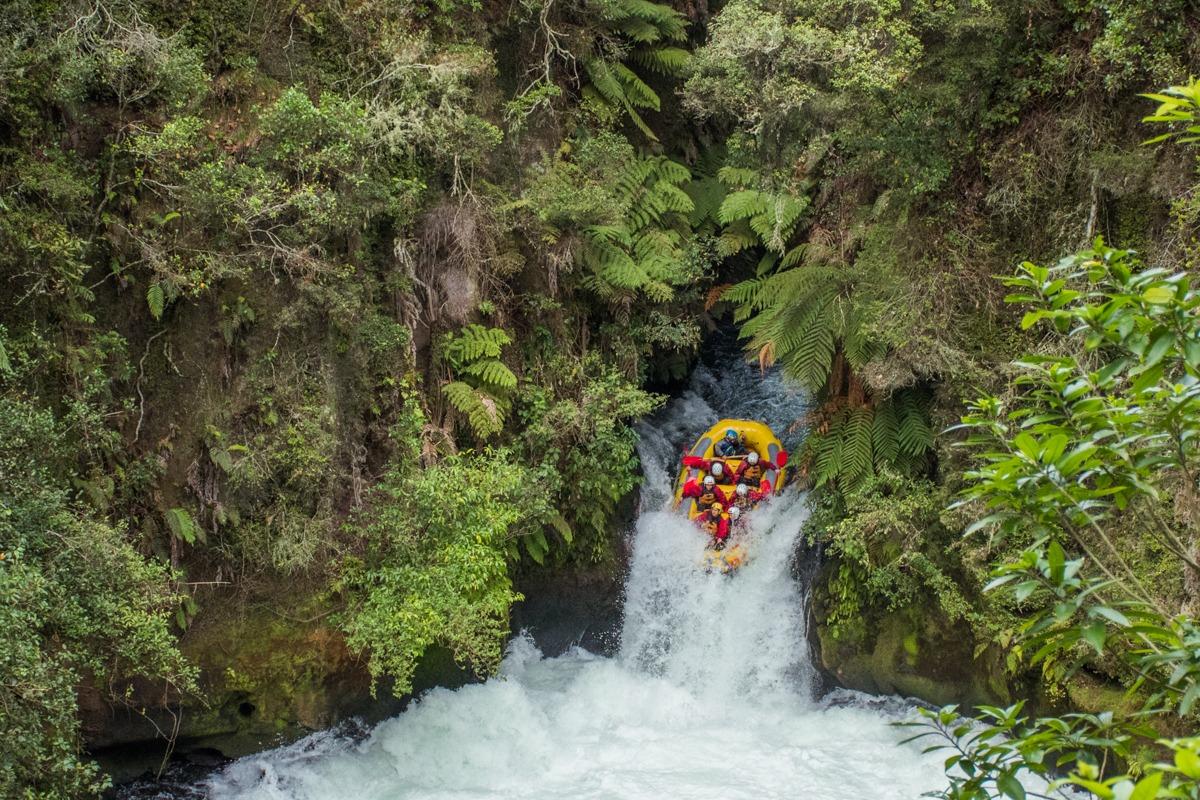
609, 234
794, 256
826, 450
737, 177
856, 460
484, 413
662, 60
735, 239
742, 204
639, 30
707, 195
475, 341
657, 291
914, 433
885, 432
155, 299
637, 93
671, 171
493, 373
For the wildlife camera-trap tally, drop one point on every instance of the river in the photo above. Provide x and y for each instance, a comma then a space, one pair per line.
712, 693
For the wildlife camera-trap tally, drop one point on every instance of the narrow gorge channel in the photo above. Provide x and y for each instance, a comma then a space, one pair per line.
712, 692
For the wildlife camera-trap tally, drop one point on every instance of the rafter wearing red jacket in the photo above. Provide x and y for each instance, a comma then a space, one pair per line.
715, 467
751, 470
705, 492
746, 498
714, 523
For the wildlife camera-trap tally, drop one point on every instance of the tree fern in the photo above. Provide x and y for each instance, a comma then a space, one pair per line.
646, 28
644, 253
802, 312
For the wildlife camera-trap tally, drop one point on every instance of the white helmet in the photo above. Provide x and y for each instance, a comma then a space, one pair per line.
742, 490
709, 480
718, 468
752, 458
735, 512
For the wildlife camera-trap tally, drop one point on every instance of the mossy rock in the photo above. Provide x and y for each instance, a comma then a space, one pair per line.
265, 679
915, 655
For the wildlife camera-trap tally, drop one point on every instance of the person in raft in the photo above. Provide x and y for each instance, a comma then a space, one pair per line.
732, 445
714, 523
750, 471
705, 492
714, 467
737, 520
747, 498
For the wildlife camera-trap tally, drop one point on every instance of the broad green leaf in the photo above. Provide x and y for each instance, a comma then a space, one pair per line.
1009, 786
1094, 634
1159, 295
1147, 788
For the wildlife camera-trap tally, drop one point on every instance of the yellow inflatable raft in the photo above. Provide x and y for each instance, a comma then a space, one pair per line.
755, 435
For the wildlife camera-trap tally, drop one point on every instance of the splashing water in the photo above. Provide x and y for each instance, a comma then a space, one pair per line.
710, 696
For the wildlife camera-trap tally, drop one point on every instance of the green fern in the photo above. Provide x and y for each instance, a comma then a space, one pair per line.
646, 28
737, 177
826, 454
914, 433
885, 434
483, 382
183, 526
742, 204
492, 373
484, 413
645, 252
156, 300
474, 342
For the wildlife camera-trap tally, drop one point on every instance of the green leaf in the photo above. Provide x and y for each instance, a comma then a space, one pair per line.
1189, 698
1147, 788
1110, 614
1009, 786
1159, 295
1094, 633
155, 299
1187, 762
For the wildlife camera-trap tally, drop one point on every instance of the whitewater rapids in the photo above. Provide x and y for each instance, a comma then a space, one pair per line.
711, 695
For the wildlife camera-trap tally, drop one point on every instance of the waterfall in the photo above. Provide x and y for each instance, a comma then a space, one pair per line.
711, 694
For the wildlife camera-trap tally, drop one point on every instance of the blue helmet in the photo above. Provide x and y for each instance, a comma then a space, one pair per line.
730, 433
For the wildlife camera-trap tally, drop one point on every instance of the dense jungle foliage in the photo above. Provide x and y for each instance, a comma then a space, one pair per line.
358, 298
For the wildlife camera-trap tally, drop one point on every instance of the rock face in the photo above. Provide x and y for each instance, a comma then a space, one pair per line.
266, 679
921, 658
914, 652
918, 653
576, 609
